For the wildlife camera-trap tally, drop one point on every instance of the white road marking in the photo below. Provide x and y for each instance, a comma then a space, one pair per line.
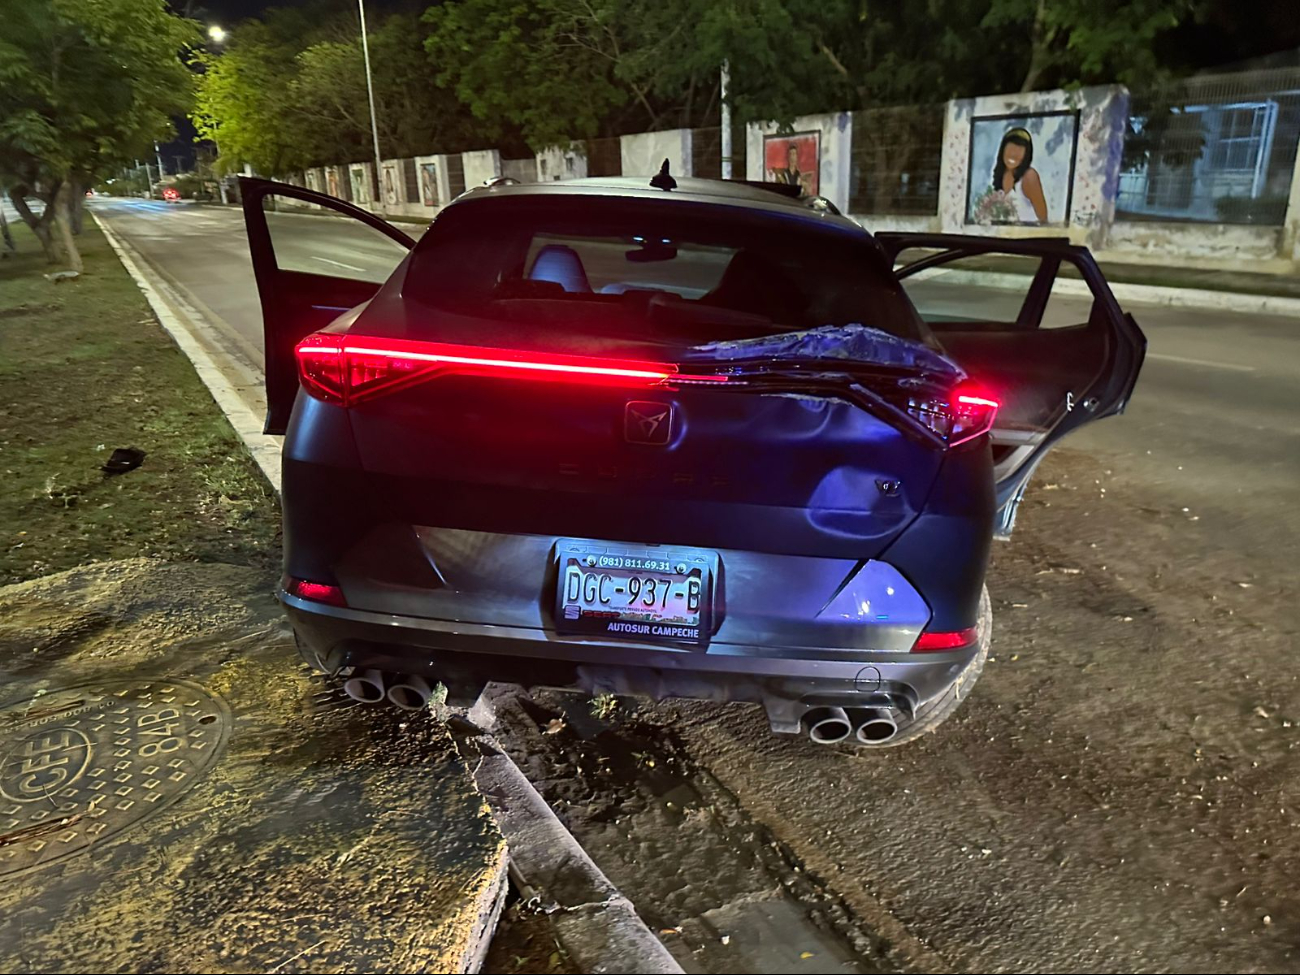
1200, 362
350, 267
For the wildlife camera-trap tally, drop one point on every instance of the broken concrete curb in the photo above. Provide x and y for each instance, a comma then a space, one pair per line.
597, 925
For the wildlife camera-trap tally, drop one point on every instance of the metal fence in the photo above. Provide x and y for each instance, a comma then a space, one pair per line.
1212, 148
895, 160
410, 181
605, 157
455, 174
706, 152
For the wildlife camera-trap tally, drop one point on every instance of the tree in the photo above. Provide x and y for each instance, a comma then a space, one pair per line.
289, 91
242, 102
85, 86
561, 69
565, 69
886, 53
516, 62
1088, 41
328, 96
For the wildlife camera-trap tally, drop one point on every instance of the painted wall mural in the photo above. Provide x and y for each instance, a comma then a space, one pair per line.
429, 184
392, 181
794, 160
1021, 168
360, 191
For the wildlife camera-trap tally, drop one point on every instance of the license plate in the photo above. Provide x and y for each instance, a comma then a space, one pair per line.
651, 593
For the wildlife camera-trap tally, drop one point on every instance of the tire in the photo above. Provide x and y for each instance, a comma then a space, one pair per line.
942, 707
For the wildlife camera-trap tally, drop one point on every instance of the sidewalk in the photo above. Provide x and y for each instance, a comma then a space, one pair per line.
177, 792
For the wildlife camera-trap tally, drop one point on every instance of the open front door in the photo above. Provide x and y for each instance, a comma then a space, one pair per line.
1035, 322
314, 258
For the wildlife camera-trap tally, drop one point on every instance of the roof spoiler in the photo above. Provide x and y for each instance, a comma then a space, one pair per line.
791, 190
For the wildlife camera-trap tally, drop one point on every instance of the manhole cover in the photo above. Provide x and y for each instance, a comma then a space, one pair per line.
79, 765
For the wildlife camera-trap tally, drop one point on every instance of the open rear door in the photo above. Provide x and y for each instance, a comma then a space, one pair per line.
314, 258
1035, 322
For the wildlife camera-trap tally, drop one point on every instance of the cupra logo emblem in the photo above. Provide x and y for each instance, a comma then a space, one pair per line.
648, 423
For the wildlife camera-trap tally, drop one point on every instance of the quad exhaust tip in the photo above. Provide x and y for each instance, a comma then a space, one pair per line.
368, 686
874, 726
827, 725
410, 692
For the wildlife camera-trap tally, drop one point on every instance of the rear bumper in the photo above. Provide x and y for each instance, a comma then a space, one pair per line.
785, 679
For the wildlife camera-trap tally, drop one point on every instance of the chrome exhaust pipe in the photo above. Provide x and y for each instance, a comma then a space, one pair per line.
368, 686
826, 726
410, 692
875, 726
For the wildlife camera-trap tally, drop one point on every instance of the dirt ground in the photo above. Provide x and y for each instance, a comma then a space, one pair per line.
284, 829
525, 944
177, 792
1118, 794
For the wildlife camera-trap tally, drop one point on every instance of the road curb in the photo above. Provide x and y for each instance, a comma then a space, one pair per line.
596, 924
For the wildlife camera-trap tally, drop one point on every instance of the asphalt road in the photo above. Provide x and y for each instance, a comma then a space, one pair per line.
1213, 425
202, 251
1118, 794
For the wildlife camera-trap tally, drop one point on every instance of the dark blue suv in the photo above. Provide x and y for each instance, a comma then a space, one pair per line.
680, 442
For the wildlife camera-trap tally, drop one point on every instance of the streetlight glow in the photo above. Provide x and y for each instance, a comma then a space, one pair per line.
217, 33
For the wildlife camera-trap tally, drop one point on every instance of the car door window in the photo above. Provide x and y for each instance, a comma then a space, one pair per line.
314, 258
1007, 320
311, 239
1033, 321
942, 294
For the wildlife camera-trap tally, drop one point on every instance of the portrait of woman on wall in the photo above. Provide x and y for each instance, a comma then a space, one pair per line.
1015, 177
1021, 169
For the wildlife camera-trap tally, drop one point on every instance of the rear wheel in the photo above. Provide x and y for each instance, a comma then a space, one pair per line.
942, 708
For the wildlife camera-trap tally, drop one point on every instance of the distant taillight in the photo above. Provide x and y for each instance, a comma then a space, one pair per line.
962, 415
347, 369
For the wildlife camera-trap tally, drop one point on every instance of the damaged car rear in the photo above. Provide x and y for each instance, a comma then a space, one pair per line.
692, 442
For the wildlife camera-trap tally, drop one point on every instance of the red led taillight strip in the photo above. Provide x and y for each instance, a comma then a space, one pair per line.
346, 369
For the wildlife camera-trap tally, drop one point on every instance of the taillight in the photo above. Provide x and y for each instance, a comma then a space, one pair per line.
320, 592
962, 415
346, 369
929, 642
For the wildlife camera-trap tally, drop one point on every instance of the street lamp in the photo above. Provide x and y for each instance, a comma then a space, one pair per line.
217, 33
370, 90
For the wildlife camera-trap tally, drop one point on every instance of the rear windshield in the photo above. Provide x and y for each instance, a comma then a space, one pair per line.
653, 269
